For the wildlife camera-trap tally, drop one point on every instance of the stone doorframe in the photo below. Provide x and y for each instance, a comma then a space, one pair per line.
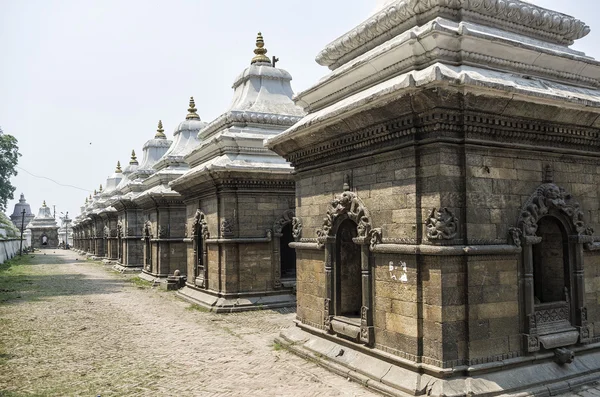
550, 200
348, 206
285, 219
119, 241
200, 268
147, 233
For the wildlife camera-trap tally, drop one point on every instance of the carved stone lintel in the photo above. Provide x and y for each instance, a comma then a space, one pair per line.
283, 220
441, 225
349, 204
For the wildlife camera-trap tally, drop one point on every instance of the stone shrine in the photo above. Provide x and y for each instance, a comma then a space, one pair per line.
17, 215
447, 184
240, 198
163, 209
44, 230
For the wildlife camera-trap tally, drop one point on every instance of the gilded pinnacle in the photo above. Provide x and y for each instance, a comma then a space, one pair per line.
95, 192
44, 204
260, 51
192, 115
100, 191
133, 160
160, 133
118, 170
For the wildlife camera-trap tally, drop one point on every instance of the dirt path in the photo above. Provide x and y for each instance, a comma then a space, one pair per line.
73, 328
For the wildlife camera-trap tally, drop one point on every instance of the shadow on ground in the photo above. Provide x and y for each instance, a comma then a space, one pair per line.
23, 279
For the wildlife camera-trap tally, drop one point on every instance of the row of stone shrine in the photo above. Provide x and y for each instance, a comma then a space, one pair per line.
212, 205
441, 214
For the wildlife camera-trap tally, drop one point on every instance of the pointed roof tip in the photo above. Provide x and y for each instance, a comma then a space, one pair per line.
260, 51
133, 160
118, 170
44, 204
100, 191
160, 132
192, 115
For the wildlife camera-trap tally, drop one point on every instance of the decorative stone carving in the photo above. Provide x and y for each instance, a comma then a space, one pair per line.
147, 230
533, 343
227, 228
375, 238
513, 15
283, 220
119, 229
296, 228
106, 232
515, 235
441, 225
364, 327
200, 225
326, 315
547, 198
349, 204
162, 232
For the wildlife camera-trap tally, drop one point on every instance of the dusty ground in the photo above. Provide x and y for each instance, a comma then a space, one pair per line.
73, 328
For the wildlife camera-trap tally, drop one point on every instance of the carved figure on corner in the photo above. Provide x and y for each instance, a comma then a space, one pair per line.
441, 225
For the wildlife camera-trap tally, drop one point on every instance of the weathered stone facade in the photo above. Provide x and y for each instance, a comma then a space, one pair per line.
44, 230
240, 198
453, 184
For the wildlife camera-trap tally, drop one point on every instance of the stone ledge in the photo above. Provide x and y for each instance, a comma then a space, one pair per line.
543, 377
231, 305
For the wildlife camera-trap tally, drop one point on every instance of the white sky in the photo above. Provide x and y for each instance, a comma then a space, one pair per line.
82, 82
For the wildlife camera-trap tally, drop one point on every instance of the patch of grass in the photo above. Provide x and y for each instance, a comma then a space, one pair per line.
140, 282
14, 277
197, 308
277, 346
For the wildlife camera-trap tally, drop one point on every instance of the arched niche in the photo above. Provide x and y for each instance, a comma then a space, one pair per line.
552, 233
283, 257
345, 236
199, 235
147, 233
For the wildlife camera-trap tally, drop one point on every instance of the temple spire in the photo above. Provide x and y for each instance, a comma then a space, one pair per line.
133, 160
100, 191
192, 115
160, 133
118, 170
260, 51
44, 204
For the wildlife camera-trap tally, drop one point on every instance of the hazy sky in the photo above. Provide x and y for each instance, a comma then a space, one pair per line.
84, 82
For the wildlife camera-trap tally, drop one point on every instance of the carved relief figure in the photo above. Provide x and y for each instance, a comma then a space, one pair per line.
441, 225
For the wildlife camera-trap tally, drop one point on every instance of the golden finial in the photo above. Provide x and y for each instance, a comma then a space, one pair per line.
44, 204
192, 115
100, 191
118, 170
160, 132
95, 192
260, 51
133, 160
91, 196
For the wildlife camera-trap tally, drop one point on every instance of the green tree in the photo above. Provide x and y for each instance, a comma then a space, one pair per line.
9, 157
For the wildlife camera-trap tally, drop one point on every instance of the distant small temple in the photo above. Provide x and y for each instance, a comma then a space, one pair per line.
44, 230
17, 215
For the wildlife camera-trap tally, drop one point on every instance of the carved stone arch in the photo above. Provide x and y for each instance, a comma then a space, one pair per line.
284, 219
551, 323
345, 206
549, 199
199, 225
147, 230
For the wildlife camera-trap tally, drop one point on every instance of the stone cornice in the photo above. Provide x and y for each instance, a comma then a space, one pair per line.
510, 15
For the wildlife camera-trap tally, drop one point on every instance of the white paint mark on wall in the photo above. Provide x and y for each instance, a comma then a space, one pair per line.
394, 270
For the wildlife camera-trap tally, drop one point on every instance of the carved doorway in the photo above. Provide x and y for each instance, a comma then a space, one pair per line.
287, 254
552, 234
347, 274
200, 230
